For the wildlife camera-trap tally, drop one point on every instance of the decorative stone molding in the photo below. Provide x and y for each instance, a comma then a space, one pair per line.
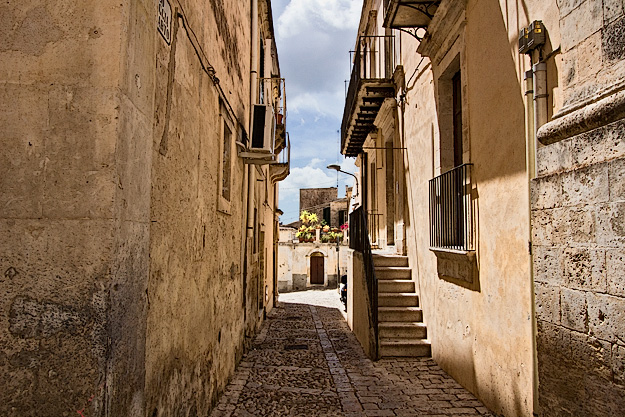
458, 267
591, 114
447, 23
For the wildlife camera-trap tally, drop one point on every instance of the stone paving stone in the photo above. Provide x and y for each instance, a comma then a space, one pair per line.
305, 361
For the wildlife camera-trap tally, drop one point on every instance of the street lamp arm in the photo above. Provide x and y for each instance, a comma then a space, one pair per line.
338, 168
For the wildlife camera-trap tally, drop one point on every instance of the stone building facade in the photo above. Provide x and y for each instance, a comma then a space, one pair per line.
578, 223
494, 164
297, 263
325, 204
139, 201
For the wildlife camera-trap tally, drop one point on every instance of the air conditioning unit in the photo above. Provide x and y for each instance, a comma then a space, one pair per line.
263, 128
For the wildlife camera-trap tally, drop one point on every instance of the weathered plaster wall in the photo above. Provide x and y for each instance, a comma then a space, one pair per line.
122, 290
74, 200
357, 303
481, 332
578, 233
195, 319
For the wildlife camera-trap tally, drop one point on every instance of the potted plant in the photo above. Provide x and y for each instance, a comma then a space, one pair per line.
304, 217
325, 238
326, 228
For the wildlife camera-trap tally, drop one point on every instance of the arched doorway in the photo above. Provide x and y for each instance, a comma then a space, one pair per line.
316, 268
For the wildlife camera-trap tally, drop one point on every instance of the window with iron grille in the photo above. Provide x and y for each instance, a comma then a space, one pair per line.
451, 211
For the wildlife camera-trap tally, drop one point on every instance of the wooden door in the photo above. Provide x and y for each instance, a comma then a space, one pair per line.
316, 270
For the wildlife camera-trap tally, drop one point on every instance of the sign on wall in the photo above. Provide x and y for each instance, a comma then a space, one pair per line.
164, 20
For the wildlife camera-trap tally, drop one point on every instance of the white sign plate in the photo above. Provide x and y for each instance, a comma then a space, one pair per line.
164, 20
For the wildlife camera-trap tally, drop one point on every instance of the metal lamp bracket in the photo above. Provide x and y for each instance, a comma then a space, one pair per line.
413, 32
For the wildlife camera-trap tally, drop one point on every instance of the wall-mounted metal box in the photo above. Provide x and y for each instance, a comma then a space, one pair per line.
536, 35
531, 37
523, 37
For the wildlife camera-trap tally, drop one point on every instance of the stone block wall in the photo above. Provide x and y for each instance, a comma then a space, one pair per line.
315, 199
578, 221
579, 258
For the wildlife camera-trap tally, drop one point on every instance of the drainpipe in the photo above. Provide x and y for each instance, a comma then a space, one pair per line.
536, 115
540, 94
248, 180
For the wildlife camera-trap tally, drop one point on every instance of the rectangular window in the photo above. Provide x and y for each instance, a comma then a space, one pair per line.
225, 161
457, 118
326, 215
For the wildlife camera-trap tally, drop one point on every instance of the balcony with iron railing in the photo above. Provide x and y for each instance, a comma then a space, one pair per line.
451, 211
268, 134
370, 84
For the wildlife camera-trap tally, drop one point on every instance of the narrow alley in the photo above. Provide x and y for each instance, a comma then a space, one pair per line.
306, 361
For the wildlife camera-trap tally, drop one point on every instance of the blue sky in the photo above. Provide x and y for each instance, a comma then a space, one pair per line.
314, 38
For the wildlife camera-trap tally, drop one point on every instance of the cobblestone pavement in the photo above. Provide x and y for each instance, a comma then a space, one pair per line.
306, 362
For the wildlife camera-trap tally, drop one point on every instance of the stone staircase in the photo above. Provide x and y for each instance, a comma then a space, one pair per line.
400, 320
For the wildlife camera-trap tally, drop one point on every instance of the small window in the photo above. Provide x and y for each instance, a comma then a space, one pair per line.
326, 216
342, 217
225, 161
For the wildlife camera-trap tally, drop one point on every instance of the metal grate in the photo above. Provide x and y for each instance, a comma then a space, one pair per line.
451, 210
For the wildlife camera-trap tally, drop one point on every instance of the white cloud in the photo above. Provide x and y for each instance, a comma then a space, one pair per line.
300, 15
310, 176
314, 38
319, 103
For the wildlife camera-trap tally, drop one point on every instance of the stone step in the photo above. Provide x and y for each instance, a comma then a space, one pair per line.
390, 260
409, 314
396, 285
399, 299
405, 348
402, 330
393, 272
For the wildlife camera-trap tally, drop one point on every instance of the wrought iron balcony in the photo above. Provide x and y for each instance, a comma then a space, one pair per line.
451, 210
370, 84
268, 136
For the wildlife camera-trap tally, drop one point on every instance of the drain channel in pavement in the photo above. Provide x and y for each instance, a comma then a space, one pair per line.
295, 347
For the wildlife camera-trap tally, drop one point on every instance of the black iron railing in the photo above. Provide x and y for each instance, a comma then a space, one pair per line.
359, 241
451, 210
373, 59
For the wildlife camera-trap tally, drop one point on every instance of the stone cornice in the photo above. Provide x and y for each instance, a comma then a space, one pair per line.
588, 115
